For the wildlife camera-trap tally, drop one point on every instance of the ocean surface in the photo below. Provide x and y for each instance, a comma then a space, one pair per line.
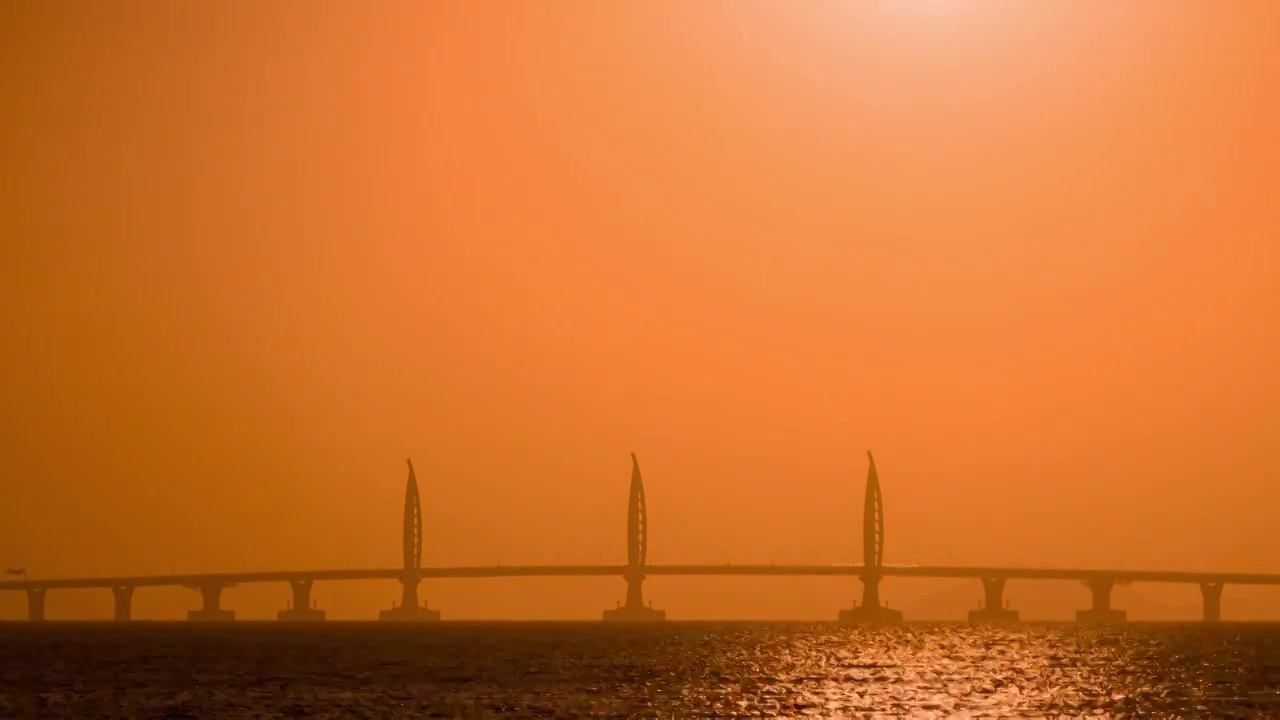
571, 670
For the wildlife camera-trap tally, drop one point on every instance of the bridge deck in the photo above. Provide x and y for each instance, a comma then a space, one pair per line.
500, 571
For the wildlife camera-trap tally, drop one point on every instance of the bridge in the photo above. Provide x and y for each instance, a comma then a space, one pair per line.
869, 572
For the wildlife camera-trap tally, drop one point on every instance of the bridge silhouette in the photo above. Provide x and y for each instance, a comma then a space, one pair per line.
634, 609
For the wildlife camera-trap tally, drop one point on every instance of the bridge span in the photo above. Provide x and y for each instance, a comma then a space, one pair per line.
210, 585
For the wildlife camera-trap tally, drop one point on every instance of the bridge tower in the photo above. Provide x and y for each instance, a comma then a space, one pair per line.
872, 519
409, 609
637, 555
872, 610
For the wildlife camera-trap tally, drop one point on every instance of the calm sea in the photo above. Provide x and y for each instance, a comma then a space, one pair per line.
679, 670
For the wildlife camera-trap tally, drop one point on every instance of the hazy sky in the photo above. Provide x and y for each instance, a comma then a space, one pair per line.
254, 255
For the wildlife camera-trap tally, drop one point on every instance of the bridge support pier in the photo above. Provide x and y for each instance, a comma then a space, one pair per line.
993, 609
302, 609
211, 611
1212, 593
1101, 612
871, 610
35, 604
124, 602
634, 610
409, 610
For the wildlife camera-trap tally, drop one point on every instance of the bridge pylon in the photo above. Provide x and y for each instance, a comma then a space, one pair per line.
872, 610
409, 610
634, 610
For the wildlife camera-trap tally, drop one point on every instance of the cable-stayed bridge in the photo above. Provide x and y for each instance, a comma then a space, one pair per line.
870, 572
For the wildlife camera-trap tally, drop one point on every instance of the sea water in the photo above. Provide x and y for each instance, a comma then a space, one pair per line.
571, 670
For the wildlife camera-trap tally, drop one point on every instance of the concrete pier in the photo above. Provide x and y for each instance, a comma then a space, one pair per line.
874, 615
211, 611
993, 609
634, 610
1212, 593
633, 613
409, 613
1101, 612
123, 602
302, 609
409, 610
35, 604
871, 611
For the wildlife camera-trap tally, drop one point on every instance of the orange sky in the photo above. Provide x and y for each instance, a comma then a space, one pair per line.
254, 255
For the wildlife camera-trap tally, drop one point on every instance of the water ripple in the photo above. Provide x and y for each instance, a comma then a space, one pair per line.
675, 670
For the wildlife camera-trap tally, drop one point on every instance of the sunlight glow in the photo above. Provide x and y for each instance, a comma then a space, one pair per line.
926, 6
